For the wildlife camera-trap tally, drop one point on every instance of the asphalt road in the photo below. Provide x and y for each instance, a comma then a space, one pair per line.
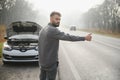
19, 71
95, 60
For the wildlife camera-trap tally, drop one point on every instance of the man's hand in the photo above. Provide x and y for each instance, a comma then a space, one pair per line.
88, 37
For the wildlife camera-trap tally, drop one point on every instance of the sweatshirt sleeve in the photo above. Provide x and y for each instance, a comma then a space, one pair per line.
57, 34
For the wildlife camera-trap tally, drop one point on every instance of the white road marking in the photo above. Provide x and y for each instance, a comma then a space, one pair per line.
107, 44
72, 67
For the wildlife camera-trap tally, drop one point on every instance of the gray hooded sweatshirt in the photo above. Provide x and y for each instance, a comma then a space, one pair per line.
48, 44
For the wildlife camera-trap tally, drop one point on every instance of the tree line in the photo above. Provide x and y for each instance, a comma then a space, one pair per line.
18, 10
104, 17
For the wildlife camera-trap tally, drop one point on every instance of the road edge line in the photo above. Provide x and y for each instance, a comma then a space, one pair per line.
72, 67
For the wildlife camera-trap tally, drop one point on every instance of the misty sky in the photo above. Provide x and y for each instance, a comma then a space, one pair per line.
70, 9
64, 6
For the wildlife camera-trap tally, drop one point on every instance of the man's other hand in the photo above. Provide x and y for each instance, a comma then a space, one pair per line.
88, 37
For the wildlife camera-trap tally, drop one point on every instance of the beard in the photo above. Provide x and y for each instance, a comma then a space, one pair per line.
56, 24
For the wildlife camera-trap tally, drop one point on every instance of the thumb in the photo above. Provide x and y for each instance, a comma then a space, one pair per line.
90, 34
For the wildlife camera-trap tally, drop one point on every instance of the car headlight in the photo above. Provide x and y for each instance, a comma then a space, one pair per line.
36, 48
7, 47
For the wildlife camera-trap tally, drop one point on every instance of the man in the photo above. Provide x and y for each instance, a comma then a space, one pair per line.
48, 45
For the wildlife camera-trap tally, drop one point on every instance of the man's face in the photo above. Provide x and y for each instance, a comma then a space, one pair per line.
55, 20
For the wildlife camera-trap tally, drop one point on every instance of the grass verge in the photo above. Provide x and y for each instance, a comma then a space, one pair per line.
1, 49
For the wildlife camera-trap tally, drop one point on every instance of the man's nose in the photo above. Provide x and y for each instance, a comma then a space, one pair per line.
58, 21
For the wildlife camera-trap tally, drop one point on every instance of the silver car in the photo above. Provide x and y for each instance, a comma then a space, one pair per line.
73, 28
22, 42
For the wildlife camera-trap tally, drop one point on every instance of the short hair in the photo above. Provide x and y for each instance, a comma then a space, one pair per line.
55, 13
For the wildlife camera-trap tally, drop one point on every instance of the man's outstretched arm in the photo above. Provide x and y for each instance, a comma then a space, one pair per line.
55, 33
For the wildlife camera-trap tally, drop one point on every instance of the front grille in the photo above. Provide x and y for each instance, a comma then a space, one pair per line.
24, 57
21, 57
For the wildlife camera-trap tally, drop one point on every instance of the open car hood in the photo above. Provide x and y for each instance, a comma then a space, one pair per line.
19, 27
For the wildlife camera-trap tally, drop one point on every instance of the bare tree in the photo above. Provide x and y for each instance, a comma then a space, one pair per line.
6, 4
104, 17
21, 11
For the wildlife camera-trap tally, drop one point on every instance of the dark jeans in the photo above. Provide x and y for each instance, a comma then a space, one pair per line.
49, 73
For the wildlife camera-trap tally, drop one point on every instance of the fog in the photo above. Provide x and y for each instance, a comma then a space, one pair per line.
71, 10
100, 15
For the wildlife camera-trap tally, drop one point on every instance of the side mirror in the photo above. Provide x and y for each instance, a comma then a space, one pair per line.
5, 37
